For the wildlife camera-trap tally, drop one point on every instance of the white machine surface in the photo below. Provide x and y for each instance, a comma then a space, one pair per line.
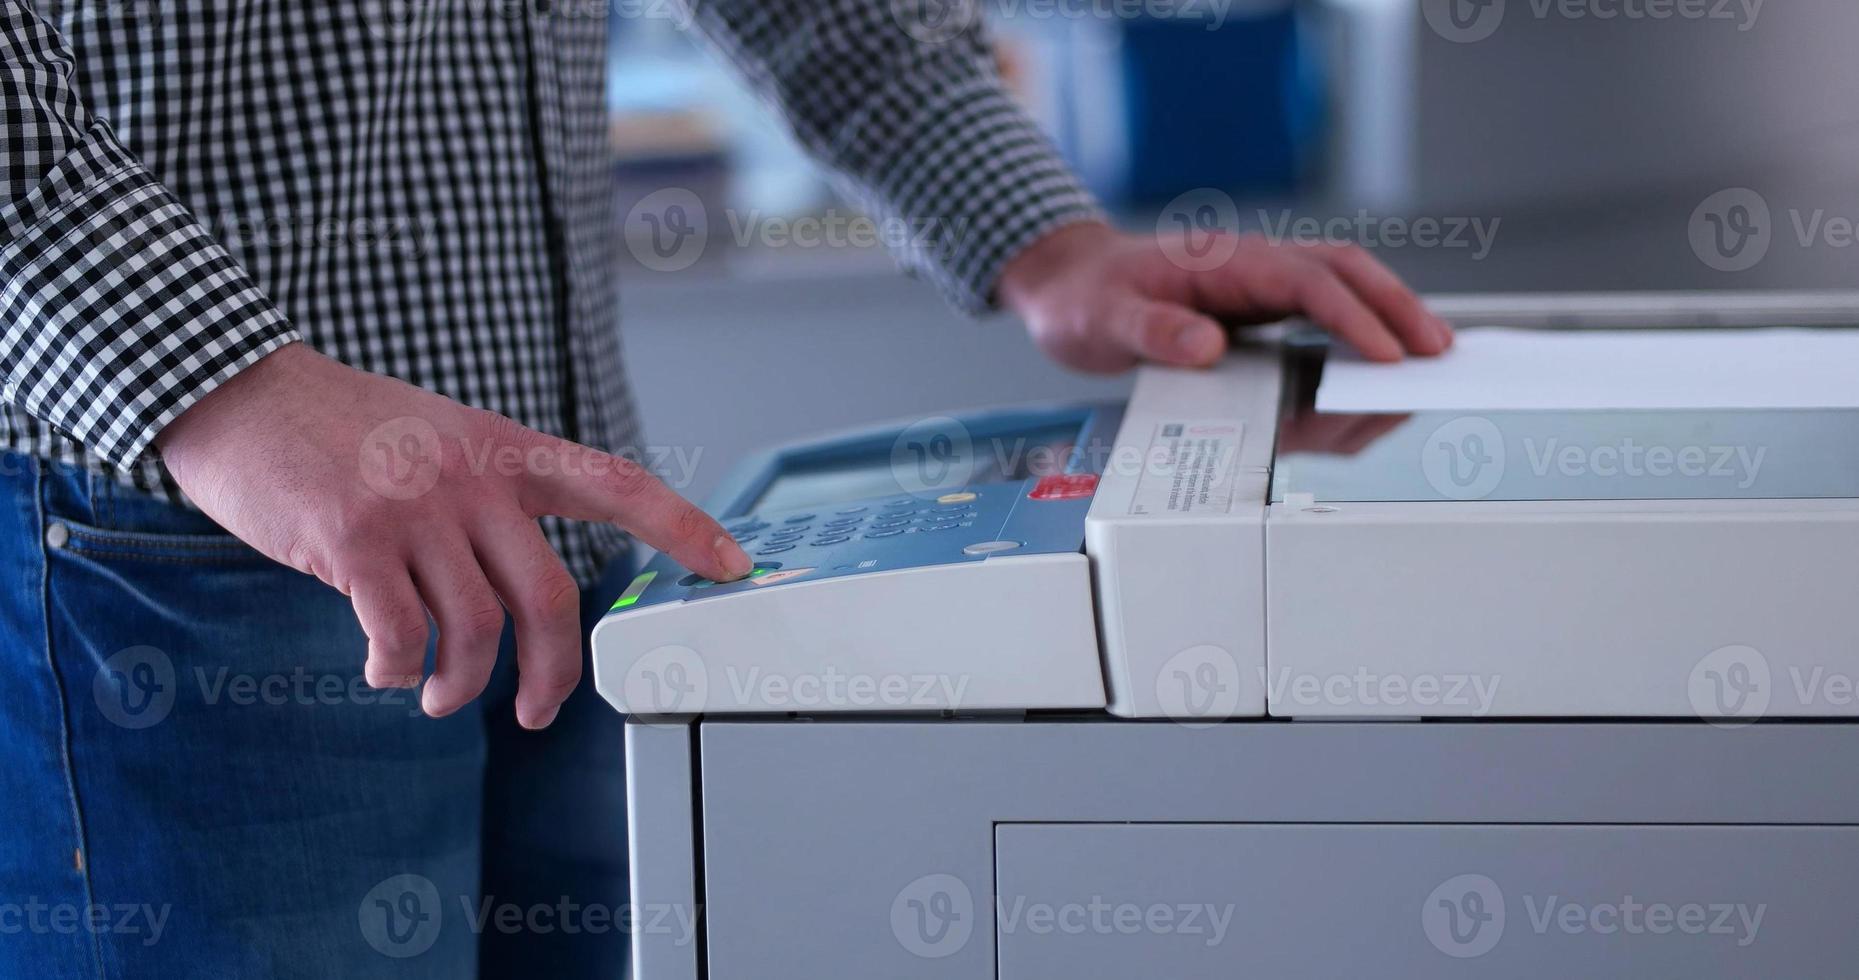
1250, 556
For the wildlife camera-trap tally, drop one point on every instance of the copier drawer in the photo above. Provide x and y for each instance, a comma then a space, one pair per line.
1283, 901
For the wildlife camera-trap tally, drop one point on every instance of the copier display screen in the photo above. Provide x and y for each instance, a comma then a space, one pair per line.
993, 458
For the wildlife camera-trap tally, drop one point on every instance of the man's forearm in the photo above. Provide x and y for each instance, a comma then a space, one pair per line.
119, 308
913, 116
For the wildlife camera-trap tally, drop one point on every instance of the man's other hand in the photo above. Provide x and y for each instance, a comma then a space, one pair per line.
1096, 299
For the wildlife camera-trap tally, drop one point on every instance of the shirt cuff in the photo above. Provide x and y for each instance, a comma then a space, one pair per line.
119, 310
976, 181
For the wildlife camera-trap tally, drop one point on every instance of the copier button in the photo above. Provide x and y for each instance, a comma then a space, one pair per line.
831, 540
885, 534
775, 549
992, 547
696, 581
799, 519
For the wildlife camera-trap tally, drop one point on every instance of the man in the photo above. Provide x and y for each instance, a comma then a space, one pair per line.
194, 787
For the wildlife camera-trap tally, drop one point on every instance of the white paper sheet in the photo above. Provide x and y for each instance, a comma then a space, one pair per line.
1495, 369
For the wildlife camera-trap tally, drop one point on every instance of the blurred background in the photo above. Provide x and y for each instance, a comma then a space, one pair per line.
1474, 145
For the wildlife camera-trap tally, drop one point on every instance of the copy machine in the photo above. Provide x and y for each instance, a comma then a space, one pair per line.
1213, 684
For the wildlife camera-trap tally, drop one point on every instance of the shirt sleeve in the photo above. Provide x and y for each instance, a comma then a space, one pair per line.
902, 100
117, 309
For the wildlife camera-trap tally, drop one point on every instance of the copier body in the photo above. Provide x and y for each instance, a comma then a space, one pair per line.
1307, 697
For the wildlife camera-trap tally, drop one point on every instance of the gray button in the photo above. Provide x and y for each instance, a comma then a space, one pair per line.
57, 535
991, 547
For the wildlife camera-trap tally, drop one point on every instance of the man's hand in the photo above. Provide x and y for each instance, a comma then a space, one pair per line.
1099, 300
408, 503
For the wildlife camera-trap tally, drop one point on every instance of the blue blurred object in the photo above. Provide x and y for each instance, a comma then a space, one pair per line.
1239, 108
1242, 106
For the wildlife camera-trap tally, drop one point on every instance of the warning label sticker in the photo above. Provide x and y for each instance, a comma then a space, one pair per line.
1188, 468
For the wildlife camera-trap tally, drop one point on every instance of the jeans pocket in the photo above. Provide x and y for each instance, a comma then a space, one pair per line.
140, 544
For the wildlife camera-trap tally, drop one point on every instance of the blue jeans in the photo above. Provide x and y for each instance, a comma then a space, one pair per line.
197, 782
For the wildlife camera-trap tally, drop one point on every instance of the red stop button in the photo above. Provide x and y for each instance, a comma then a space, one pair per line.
1064, 486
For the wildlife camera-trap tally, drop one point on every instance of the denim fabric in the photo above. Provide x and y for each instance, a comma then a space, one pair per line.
198, 783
